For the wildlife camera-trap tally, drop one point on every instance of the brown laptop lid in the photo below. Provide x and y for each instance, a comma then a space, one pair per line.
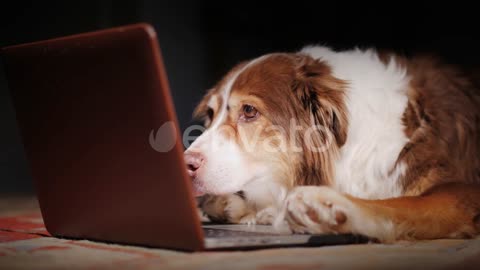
86, 106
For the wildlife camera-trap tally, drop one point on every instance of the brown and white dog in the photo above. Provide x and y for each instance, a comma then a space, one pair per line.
344, 142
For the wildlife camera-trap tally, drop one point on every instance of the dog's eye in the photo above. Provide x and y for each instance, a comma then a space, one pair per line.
248, 113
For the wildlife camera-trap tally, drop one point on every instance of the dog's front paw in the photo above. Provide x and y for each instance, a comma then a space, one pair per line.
266, 216
312, 209
227, 209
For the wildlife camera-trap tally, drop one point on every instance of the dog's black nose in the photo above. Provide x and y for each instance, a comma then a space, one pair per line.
194, 161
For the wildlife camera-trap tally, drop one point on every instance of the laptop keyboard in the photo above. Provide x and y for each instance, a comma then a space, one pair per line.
222, 233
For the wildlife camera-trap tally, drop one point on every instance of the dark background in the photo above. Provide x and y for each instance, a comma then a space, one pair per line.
200, 40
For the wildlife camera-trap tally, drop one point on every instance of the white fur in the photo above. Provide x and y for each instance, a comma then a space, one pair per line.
213, 102
376, 100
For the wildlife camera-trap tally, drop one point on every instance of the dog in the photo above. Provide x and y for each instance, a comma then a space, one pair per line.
357, 141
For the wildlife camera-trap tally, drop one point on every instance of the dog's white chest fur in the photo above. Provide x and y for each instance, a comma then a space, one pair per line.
376, 100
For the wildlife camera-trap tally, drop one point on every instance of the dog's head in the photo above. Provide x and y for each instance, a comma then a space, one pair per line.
280, 117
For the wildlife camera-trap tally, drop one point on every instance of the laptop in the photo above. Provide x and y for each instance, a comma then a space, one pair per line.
87, 106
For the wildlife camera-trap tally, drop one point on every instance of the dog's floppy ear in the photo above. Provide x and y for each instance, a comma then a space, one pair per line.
322, 95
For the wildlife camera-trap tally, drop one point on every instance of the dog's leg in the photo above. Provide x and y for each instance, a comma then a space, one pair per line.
447, 211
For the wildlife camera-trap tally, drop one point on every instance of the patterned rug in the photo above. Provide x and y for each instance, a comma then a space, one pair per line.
25, 244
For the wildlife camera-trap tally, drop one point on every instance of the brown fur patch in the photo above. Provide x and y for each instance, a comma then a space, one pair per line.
292, 87
442, 123
446, 210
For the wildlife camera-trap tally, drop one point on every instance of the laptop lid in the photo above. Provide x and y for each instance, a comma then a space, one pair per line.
88, 108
